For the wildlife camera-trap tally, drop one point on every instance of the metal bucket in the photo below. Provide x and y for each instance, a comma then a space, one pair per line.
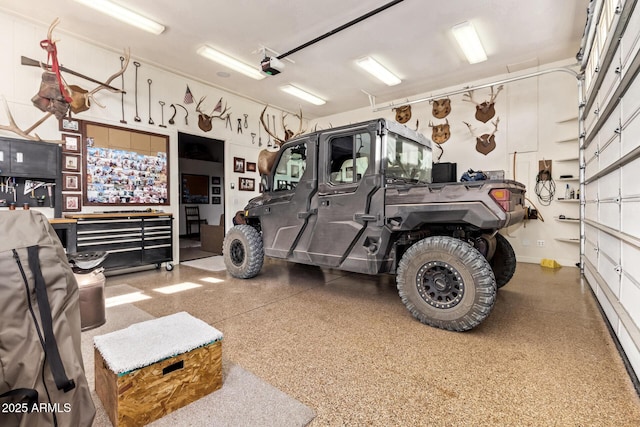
92, 301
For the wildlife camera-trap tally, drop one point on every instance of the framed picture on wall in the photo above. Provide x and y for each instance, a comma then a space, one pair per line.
195, 188
251, 167
215, 180
71, 202
238, 165
246, 184
215, 190
70, 162
216, 200
71, 143
70, 125
71, 182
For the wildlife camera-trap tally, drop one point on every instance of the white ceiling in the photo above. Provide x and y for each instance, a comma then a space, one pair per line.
412, 38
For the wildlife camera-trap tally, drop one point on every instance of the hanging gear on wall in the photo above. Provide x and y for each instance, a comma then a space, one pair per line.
137, 116
239, 126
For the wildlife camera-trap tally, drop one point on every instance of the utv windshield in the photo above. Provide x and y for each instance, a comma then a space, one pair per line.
407, 160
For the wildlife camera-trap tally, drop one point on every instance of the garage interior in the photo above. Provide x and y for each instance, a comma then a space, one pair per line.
309, 345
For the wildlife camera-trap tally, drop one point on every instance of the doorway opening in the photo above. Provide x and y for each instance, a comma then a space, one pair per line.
201, 192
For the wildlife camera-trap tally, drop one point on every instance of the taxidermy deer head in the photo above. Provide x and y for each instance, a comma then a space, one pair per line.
403, 113
204, 120
266, 158
440, 133
485, 143
484, 110
441, 108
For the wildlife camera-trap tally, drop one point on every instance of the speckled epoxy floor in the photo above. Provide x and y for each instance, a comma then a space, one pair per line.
345, 345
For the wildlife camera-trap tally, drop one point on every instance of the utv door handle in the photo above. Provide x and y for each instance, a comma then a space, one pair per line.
305, 215
365, 217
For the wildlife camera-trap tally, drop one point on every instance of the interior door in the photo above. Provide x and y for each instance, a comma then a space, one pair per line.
291, 205
347, 206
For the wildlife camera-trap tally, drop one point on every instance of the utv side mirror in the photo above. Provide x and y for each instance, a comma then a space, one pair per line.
264, 180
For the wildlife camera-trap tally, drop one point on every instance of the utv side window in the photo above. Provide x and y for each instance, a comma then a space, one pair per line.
290, 167
349, 158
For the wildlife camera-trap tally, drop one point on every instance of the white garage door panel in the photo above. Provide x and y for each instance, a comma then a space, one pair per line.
609, 186
629, 179
609, 214
629, 41
630, 297
630, 222
630, 348
606, 268
610, 246
591, 191
591, 281
609, 153
611, 79
590, 151
591, 251
611, 126
630, 257
591, 211
591, 117
608, 309
630, 133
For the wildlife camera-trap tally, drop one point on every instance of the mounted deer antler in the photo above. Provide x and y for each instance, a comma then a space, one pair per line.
485, 143
266, 157
204, 119
484, 110
78, 96
440, 133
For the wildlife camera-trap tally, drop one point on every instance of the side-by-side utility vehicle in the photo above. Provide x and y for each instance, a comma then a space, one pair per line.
360, 198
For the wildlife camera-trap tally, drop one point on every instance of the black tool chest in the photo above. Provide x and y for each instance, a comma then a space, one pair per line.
131, 240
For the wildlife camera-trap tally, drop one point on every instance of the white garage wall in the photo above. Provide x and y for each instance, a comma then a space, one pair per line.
538, 120
19, 83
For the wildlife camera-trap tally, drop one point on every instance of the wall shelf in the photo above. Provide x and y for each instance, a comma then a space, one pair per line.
568, 200
568, 179
570, 159
572, 139
568, 119
576, 220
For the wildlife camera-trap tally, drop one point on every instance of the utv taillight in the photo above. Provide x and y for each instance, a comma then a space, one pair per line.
503, 197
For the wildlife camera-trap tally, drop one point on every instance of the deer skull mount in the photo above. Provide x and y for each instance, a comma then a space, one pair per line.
484, 110
440, 133
403, 113
440, 108
57, 100
204, 120
485, 143
266, 158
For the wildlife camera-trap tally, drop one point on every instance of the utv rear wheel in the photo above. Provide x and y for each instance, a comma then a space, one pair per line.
503, 261
446, 283
243, 251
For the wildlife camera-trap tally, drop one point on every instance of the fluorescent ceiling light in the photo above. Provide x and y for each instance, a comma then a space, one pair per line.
374, 68
292, 90
227, 61
124, 15
469, 42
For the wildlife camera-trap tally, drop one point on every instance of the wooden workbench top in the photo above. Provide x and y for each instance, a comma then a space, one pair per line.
140, 214
62, 220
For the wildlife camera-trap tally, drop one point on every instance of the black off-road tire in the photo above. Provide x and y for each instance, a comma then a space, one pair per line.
503, 262
243, 251
447, 283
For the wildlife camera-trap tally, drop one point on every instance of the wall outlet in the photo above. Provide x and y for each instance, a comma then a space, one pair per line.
526, 242
540, 243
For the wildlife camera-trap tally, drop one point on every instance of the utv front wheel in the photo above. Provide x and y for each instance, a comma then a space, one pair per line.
446, 283
503, 261
243, 251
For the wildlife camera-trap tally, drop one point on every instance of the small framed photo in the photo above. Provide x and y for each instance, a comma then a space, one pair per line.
71, 202
251, 167
246, 184
71, 182
71, 143
238, 164
215, 190
216, 200
70, 163
70, 125
215, 180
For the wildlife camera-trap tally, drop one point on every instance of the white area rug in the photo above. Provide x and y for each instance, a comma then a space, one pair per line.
243, 400
214, 263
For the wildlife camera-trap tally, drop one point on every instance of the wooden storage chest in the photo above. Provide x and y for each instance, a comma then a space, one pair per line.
139, 396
